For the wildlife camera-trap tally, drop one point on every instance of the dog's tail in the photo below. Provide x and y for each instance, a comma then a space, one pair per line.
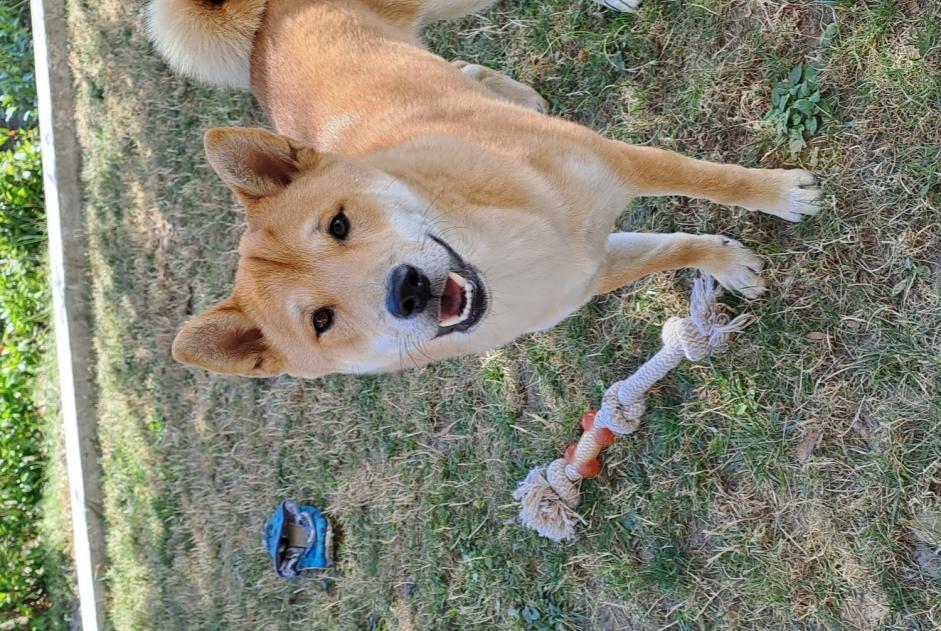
208, 40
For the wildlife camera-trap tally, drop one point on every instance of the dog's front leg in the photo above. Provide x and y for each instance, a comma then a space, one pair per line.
790, 194
631, 255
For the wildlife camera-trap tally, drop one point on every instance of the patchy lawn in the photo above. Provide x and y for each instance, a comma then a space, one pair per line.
718, 512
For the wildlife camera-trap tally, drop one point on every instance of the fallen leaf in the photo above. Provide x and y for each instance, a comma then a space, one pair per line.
861, 429
806, 447
928, 560
816, 335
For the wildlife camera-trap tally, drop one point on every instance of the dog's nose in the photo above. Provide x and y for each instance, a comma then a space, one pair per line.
409, 291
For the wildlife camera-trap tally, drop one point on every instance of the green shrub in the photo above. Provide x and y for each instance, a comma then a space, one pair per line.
23, 332
17, 87
22, 221
23, 317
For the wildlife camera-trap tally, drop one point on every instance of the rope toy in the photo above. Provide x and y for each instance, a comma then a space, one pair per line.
550, 495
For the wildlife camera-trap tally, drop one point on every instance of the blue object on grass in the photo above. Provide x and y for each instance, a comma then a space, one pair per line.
298, 538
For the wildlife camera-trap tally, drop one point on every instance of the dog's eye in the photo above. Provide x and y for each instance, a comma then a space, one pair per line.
322, 319
340, 226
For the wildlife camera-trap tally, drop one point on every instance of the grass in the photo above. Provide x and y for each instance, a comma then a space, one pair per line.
713, 515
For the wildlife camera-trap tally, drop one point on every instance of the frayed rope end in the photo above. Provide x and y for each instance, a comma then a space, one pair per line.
542, 510
710, 317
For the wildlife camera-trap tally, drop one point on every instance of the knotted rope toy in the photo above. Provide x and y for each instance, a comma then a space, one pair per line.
550, 495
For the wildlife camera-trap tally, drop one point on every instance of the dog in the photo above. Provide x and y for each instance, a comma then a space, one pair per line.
410, 209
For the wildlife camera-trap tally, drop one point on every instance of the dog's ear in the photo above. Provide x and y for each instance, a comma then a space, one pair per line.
223, 339
256, 163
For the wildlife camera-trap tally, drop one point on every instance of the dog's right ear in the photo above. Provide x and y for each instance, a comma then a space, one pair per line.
256, 163
223, 339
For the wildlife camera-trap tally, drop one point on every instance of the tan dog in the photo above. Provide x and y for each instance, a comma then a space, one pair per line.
416, 210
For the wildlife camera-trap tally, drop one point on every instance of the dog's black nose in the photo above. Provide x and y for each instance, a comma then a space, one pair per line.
409, 291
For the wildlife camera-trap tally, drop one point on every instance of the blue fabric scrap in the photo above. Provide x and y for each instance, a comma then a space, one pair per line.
298, 538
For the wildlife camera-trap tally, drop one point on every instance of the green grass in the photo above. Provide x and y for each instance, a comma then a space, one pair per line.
707, 517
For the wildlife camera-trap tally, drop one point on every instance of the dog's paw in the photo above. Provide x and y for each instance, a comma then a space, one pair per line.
797, 195
740, 270
627, 6
503, 86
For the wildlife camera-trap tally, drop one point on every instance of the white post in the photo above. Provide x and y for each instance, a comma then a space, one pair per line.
63, 193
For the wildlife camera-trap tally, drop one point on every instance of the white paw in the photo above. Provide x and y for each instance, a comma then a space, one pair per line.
503, 86
627, 6
741, 271
799, 196
535, 102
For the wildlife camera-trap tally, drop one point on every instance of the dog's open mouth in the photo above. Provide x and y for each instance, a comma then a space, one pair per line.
463, 299
457, 300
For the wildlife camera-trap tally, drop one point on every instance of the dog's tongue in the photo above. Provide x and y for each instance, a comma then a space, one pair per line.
451, 300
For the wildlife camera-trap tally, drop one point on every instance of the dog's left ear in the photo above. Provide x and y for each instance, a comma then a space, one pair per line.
256, 163
223, 339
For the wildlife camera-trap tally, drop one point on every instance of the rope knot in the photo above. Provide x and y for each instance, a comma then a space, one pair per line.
621, 411
684, 334
708, 329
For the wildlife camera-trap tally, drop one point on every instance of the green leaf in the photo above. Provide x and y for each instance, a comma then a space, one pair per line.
810, 73
815, 97
796, 144
804, 106
530, 613
795, 76
811, 125
829, 34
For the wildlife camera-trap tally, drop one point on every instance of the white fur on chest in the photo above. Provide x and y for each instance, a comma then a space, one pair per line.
600, 190
595, 192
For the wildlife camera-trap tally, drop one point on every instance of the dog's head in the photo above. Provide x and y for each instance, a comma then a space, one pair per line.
343, 268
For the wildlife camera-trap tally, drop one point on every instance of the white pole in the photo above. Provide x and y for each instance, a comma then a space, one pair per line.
63, 194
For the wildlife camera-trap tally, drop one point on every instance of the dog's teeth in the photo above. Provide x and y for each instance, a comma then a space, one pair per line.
468, 300
451, 321
468, 288
457, 278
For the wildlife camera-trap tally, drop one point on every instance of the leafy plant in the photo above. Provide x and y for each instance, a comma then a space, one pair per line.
17, 85
22, 221
24, 598
797, 106
23, 318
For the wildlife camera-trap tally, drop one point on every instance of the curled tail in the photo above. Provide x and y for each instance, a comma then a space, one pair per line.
207, 40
